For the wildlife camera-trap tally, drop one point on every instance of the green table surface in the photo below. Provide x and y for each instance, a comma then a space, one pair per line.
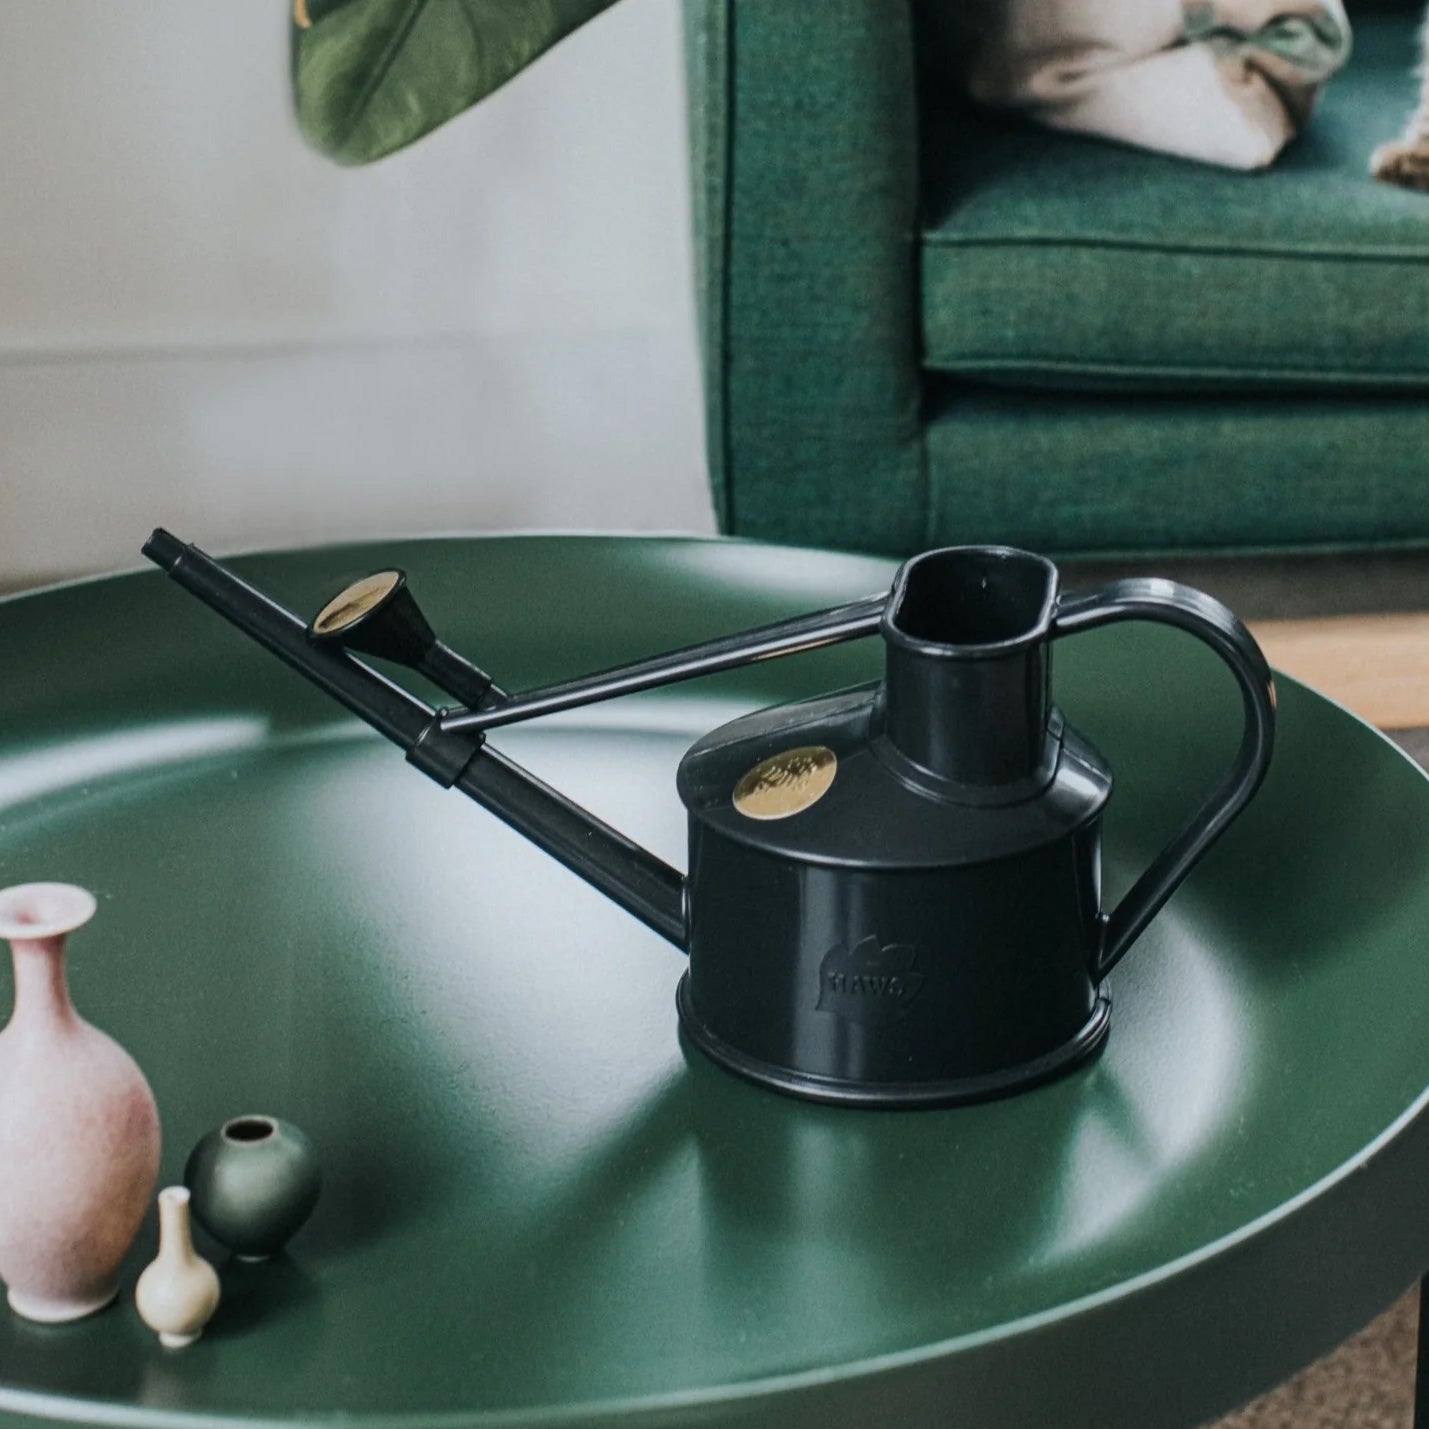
540, 1208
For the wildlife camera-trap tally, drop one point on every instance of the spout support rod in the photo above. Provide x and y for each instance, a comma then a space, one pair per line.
633, 877
767, 642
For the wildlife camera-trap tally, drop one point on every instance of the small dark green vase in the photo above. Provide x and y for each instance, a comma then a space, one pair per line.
254, 1181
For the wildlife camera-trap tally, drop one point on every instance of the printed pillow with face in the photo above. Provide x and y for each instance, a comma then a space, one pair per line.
1226, 82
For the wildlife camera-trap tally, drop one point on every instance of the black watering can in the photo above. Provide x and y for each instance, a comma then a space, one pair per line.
894, 891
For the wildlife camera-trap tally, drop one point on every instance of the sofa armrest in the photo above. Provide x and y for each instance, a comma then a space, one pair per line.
805, 173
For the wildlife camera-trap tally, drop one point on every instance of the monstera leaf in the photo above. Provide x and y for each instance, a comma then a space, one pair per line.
372, 75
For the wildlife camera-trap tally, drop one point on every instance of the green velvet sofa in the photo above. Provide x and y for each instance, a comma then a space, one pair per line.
925, 325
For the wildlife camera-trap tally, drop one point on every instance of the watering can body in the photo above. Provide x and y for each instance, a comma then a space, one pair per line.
895, 892
888, 944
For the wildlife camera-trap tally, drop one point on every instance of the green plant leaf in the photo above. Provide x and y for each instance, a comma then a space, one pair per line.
370, 76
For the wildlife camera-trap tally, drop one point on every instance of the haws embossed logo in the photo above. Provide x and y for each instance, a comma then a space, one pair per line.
869, 983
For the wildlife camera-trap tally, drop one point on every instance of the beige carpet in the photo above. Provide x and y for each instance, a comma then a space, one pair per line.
1368, 1383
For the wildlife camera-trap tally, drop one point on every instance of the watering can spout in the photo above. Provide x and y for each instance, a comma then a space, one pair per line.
377, 616
630, 875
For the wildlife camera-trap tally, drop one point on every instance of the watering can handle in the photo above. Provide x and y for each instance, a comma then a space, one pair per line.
1210, 621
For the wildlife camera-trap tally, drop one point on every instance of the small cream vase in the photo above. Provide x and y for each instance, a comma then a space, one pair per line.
178, 1293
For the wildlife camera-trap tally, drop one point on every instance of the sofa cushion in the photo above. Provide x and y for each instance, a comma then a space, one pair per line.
1057, 261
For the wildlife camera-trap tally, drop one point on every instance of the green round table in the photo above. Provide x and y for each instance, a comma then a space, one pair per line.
540, 1208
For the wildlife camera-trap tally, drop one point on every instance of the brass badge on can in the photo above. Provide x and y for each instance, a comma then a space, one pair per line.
786, 783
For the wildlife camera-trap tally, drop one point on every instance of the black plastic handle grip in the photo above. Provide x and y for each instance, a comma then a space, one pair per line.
1208, 620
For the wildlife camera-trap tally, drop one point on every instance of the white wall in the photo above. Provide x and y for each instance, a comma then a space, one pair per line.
204, 324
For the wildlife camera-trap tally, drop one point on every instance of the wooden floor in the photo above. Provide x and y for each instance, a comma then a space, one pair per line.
1377, 665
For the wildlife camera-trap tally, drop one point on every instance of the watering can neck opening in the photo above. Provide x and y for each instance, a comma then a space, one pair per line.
966, 693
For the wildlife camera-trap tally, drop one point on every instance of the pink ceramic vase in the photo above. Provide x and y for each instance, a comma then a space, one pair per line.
79, 1132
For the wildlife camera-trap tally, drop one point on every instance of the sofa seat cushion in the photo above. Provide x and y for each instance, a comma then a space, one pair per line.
1051, 260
